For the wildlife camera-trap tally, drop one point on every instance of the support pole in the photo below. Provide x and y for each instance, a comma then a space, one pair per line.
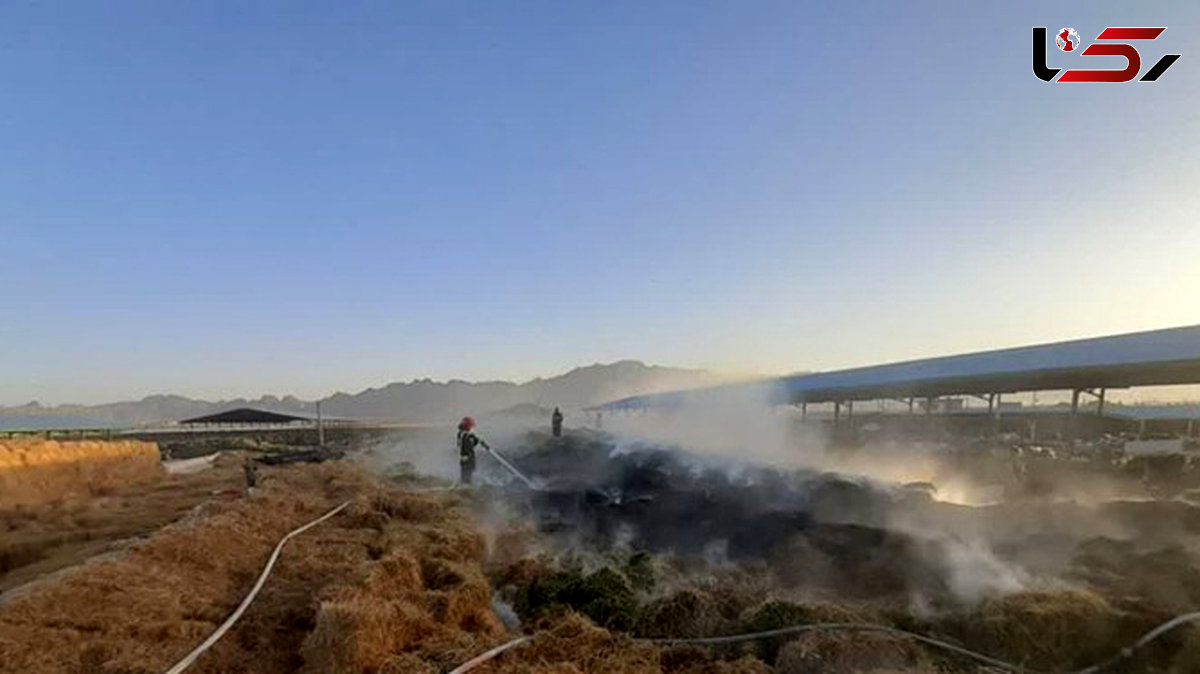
995, 405
320, 426
804, 411
837, 413
1100, 402
1074, 411
910, 404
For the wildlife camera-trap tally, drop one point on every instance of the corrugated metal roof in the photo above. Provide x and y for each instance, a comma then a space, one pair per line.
247, 415
1155, 357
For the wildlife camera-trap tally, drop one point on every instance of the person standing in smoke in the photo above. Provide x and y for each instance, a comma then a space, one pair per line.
250, 471
556, 420
467, 440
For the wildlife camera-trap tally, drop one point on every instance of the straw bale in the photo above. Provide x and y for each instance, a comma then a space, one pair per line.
850, 652
573, 641
38, 471
1049, 628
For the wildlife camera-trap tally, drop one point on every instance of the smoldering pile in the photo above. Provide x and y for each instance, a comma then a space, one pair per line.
658, 542
816, 530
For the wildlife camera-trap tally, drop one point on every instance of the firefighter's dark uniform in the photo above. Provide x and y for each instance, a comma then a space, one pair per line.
556, 420
467, 440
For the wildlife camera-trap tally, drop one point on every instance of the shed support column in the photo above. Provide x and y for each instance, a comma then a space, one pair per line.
1074, 411
910, 404
996, 414
320, 427
804, 411
1100, 402
837, 413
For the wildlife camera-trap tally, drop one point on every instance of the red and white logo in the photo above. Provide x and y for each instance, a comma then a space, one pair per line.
1067, 39
1112, 41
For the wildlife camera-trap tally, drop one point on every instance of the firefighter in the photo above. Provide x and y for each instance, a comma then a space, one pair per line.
556, 420
250, 472
467, 440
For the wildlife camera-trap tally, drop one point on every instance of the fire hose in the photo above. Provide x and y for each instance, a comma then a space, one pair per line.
262, 579
1123, 654
511, 468
484, 657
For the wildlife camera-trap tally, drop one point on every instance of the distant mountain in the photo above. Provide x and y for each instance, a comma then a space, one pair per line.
418, 401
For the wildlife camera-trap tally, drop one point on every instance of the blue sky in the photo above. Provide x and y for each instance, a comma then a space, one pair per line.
224, 198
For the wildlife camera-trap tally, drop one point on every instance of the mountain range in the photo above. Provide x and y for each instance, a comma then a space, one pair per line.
417, 401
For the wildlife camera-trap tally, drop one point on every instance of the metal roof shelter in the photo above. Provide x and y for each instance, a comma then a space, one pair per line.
248, 415
1151, 358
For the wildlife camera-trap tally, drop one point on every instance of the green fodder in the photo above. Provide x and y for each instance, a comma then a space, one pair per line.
687, 613
737, 590
775, 614
604, 595
575, 644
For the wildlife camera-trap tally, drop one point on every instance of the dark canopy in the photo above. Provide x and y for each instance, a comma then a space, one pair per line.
246, 415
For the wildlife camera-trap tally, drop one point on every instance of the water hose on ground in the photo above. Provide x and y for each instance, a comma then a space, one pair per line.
1124, 653
262, 579
484, 657
854, 627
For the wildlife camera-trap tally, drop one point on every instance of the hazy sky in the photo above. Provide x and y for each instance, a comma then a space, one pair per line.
228, 198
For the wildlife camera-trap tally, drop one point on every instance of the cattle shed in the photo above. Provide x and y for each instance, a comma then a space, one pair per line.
248, 415
1085, 367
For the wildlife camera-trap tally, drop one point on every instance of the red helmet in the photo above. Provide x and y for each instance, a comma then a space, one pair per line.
466, 424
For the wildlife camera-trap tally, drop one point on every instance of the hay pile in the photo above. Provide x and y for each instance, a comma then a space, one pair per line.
1048, 628
37, 471
397, 583
850, 653
141, 612
36, 539
420, 604
1055, 630
775, 613
573, 644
